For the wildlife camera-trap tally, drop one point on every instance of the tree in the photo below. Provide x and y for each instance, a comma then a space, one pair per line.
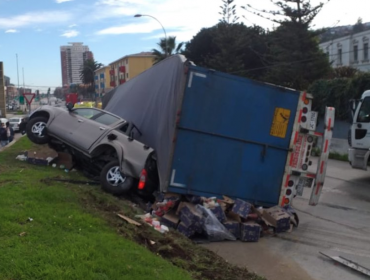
230, 48
295, 59
297, 11
87, 73
358, 27
228, 12
58, 92
167, 49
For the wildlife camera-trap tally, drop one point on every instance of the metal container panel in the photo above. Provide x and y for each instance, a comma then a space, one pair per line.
224, 142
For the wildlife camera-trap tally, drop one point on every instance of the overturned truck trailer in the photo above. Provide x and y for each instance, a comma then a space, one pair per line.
217, 134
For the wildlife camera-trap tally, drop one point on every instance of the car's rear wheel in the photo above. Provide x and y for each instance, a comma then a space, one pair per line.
113, 180
36, 130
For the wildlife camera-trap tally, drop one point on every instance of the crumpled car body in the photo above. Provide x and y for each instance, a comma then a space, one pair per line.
91, 133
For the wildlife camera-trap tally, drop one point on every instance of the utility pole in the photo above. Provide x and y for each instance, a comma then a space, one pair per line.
24, 90
18, 76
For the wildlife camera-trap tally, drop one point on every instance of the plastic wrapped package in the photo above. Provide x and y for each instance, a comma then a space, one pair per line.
212, 226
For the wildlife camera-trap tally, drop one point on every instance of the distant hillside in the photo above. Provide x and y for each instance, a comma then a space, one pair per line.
341, 31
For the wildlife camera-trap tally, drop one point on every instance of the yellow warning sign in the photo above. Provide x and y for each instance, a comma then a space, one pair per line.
280, 122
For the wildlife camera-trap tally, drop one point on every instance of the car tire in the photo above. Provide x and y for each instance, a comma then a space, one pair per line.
113, 181
36, 130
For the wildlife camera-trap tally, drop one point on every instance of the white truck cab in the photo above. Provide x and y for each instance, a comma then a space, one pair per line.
359, 134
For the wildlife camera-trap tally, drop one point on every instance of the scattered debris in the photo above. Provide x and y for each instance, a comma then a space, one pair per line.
21, 157
127, 219
42, 156
30, 219
349, 263
22, 234
217, 219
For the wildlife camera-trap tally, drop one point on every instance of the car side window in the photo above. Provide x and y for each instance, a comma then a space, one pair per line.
106, 119
87, 113
123, 128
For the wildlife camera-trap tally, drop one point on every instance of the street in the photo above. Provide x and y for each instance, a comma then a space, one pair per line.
338, 226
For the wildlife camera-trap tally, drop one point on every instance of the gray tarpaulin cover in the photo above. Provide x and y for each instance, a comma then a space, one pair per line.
150, 100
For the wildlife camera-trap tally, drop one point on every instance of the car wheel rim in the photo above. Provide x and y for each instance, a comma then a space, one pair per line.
38, 129
114, 176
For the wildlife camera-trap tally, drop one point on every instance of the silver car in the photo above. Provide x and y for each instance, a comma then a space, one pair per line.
15, 123
98, 141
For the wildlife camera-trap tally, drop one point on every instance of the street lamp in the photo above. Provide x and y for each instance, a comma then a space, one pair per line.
165, 35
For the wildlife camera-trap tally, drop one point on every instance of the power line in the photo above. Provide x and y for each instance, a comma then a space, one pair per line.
292, 62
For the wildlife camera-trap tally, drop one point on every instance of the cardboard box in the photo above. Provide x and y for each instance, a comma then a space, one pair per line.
170, 219
250, 232
242, 208
233, 216
233, 227
277, 217
194, 199
219, 213
187, 231
64, 159
42, 156
189, 216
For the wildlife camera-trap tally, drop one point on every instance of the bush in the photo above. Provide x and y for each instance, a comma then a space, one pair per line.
337, 93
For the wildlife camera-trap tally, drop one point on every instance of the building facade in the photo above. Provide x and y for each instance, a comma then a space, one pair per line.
72, 59
351, 50
129, 67
102, 80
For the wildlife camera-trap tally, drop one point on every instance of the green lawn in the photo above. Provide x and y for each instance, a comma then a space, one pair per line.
63, 241
76, 234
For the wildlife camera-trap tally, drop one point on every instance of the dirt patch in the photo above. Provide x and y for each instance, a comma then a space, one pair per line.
202, 263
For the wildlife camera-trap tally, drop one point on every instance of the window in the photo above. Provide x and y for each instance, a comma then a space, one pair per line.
106, 119
366, 51
340, 56
355, 53
123, 128
126, 75
364, 113
87, 113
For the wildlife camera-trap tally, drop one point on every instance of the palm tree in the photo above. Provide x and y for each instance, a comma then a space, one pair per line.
171, 48
87, 72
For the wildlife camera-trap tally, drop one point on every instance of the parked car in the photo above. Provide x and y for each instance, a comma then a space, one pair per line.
99, 142
3, 120
15, 122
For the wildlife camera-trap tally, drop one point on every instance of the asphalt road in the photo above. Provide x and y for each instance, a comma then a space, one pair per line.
339, 225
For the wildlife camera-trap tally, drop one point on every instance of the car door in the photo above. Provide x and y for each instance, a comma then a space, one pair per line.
92, 129
64, 124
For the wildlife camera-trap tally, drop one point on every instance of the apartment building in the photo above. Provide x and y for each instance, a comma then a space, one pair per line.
351, 50
102, 80
72, 59
129, 67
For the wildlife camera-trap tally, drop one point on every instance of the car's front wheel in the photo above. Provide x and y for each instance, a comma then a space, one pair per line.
36, 130
113, 180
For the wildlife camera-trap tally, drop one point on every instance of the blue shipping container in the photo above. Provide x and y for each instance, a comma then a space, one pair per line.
233, 137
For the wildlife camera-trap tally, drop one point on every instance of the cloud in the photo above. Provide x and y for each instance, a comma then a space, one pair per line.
70, 33
127, 29
62, 1
72, 25
40, 17
183, 20
11, 31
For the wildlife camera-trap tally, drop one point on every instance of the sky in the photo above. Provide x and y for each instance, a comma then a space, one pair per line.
35, 29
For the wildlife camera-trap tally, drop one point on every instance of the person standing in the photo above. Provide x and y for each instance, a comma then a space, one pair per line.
3, 135
22, 126
10, 132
